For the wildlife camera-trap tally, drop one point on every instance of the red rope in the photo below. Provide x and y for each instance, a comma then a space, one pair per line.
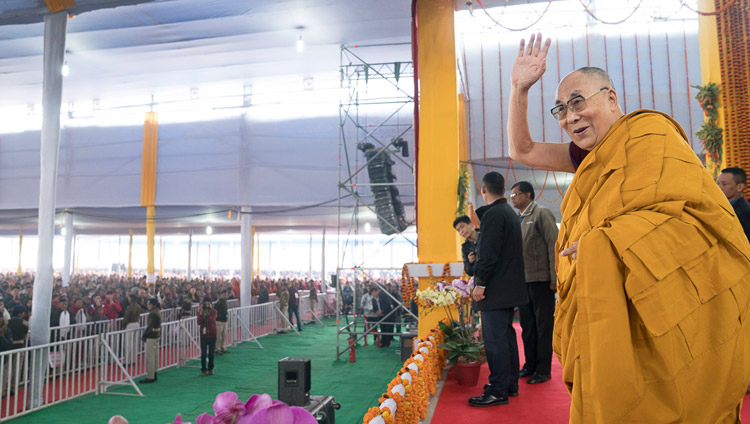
669, 74
622, 67
484, 122
588, 56
687, 81
650, 60
500, 66
638, 69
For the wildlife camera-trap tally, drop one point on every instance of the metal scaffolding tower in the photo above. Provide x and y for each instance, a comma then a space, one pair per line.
376, 130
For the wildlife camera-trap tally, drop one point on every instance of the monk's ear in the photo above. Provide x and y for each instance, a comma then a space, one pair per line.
612, 98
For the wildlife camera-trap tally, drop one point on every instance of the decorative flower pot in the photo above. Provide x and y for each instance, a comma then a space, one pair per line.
468, 374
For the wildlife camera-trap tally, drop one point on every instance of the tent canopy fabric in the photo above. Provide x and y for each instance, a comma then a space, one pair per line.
268, 146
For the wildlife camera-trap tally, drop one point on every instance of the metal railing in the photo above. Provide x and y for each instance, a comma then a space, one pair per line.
79, 362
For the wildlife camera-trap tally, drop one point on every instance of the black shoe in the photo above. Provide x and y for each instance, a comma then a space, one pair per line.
488, 400
511, 393
147, 380
525, 373
539, 378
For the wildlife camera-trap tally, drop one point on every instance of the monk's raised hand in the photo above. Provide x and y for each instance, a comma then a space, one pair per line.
530, 63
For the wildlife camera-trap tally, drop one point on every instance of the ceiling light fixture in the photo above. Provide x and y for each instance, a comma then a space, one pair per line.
209, 230
65, 71
368, 227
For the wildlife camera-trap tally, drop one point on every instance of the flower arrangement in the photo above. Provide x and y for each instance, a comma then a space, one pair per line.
462, 343
709, 133
259, 409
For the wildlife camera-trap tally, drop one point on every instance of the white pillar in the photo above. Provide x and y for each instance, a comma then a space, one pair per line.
68, 264
246, 252
190, 255
323, 281
55, 26
310, 274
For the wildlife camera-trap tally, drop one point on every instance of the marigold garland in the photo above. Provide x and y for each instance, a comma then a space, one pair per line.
412, 405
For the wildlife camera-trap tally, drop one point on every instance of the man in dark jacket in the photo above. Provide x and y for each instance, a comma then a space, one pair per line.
732, 183
386, 306
207, 323
465, 229
499, 287
222, 316
151, 336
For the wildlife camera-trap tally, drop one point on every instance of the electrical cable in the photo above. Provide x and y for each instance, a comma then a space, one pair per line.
610, 23
479, 2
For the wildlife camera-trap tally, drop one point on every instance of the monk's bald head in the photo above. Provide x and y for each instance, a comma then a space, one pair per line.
596, 74
590, 106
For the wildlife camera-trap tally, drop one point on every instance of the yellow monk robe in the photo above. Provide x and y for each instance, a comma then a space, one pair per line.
652, 319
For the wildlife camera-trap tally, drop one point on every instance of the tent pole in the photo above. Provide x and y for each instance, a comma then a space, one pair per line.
190, 255
68, 264
246, 252
55, 28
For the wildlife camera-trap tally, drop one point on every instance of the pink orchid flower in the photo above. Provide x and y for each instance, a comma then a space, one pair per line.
280, 413
259, 409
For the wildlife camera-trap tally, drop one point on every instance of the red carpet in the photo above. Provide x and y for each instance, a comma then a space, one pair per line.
546, 403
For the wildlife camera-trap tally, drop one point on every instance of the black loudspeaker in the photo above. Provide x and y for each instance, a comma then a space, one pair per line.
294, 381
323, 408
334, 280
387, 202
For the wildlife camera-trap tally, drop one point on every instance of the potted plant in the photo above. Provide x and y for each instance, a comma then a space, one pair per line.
465, 351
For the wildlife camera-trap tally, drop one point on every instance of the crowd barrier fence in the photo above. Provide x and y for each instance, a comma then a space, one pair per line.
95, 357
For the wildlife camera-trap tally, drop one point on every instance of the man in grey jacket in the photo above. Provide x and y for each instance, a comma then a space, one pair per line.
539, 231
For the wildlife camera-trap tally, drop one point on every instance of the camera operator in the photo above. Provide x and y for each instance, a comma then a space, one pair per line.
207, 323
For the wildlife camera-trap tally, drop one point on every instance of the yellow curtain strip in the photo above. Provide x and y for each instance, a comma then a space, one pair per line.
130, 256
20, 250
148, 159
58, 5
150, 233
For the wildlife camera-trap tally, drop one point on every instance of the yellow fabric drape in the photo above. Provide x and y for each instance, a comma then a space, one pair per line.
255, 270
148, 159
437, 158
20, 250
148, 186
161, 257
653, 312
55, 6
150, 235
130, 255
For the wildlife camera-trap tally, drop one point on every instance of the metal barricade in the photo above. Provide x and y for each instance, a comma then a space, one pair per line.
36, 377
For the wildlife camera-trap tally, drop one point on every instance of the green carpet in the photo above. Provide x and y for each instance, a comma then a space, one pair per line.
247, 370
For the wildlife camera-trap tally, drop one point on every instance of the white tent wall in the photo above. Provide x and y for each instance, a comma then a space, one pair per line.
224, 162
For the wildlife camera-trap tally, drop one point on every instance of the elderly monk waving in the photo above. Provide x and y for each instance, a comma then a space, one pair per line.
654, 273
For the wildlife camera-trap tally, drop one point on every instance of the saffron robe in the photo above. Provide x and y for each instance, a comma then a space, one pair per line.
651, 324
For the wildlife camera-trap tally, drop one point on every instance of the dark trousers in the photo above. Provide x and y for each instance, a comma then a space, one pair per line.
208, 347
294, 309
537, 321
385, 340
501, 347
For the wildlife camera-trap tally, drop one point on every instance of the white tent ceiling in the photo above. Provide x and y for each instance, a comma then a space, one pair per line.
139, 49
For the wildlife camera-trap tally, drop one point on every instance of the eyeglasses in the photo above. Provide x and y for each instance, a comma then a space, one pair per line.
576, 104
512, 195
